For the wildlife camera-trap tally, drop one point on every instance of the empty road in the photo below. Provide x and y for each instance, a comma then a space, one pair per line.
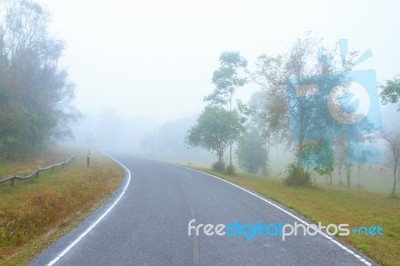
145, 222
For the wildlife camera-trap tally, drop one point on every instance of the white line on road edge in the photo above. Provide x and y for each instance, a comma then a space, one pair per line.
67, 249
288, 213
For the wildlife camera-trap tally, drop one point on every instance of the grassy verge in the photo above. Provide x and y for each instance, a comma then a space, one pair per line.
336, 205
40, 210
26, 166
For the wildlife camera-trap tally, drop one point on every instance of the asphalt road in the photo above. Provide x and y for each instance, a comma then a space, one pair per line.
148, 225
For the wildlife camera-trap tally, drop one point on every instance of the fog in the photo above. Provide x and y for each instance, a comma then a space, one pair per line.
143, 67
155, 58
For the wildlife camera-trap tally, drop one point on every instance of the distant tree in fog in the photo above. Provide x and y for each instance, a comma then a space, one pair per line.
391, 92
169, 137
252, 153
392, 141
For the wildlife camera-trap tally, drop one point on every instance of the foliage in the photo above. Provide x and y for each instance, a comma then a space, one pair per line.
219, 166
252, 154
230, 170
391, 91
227, 78
297, 176
297, 89
308, 105
216, 128
320, 155
35, 94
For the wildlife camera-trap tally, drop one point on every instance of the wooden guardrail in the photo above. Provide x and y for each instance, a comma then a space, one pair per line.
36, 173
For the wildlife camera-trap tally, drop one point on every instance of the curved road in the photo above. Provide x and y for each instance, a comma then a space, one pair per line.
147, 224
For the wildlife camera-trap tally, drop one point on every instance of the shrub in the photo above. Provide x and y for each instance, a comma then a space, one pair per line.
230, 170
252, 153
219, 166
297, 176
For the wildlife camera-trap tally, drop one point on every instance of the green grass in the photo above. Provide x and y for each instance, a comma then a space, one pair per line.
40, 210
337, 205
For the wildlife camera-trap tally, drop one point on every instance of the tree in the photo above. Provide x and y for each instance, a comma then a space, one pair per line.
297, 90
36, 94
320, 156
391, 91
340, 156
252, 153
392, 141
348, 148
226, 80
215, 130
309, 103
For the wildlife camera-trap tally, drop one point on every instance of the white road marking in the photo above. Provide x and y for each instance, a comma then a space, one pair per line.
67, 249
288, 213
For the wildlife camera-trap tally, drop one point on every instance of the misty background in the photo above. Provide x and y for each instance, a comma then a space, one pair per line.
142, 68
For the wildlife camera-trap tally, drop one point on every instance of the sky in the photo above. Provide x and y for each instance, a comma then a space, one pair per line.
154, 59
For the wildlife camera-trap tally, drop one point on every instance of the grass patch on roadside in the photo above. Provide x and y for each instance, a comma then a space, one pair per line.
337, 205
24, 167
40, 210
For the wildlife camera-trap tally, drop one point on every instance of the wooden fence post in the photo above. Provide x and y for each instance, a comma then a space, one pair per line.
13, 179
88, 160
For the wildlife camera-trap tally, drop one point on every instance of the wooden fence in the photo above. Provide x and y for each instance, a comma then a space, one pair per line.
36, 173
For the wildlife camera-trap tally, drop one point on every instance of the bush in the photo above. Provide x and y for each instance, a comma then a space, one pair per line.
230, 170
219, 166
252, 153
297, 176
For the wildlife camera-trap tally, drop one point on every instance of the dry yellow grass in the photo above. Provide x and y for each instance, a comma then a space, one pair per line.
40, 210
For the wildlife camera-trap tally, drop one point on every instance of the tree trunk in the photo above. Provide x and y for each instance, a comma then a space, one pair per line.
230, 154
220, 155
394, 183
348, 174
358, 165
394, 187
230, 118
299, 155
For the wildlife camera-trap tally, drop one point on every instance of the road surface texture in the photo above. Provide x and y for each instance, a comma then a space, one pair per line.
145, 222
